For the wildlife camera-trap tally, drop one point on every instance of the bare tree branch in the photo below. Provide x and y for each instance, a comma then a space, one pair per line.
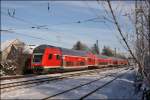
120, 31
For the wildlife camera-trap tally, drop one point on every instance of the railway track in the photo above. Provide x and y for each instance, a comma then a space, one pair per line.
32, 75
82, 85
30, 83
16, 77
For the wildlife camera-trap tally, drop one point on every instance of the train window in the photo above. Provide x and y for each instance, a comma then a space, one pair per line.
37, 58
58, 57
68, 63
89, 59
78, 64
50, 56
82, 63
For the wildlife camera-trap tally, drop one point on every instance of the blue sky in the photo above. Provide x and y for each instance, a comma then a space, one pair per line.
61, 12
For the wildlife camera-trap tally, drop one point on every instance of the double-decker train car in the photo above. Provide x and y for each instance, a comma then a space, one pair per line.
119, 61
51, 57
47, 57
103, 60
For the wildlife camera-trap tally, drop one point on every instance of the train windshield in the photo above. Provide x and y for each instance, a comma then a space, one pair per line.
37, 58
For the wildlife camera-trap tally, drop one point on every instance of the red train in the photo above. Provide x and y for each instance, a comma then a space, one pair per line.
47, 57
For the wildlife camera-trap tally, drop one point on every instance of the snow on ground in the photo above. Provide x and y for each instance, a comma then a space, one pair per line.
45, 76
122, 87
79, 92
28, 78
44, 90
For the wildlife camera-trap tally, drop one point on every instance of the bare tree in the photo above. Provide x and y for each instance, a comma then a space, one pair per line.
141, 34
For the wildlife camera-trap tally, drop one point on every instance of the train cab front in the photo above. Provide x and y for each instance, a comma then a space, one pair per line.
37, 63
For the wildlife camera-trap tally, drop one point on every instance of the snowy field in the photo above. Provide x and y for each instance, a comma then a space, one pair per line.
121, 88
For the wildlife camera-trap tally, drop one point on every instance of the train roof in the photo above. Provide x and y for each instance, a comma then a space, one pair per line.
41, 48
117, 58
73, 52
102, 56
106, 57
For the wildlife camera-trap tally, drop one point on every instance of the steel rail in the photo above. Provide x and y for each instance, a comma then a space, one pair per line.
79, 86
33, 75
51, 76
42, 80
101, 87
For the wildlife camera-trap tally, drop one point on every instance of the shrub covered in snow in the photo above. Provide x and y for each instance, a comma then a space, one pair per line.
14, 56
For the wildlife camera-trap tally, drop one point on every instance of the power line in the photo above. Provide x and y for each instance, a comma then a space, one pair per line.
48, 26
30, 36
80, 21
104, 8
105, 18
20, 19
96, 14
107, 26
25, 21
41, 26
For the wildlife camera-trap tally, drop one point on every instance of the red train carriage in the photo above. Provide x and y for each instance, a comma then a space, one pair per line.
122, 61
91, 59
119, 61
125, 62
110, 61
51, 57
74, 58
46, 56
103, 60
114, 60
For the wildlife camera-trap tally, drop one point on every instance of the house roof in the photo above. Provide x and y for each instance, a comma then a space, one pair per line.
9, 43
28, 49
